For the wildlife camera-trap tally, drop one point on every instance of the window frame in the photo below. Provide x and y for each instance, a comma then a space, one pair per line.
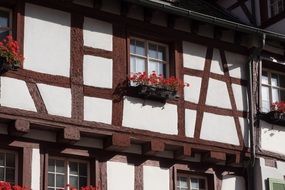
66, 168
148, 41
271, 181
10, 11
16, 177
189, 176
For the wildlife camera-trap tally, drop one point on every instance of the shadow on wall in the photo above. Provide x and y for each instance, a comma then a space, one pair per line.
144, 102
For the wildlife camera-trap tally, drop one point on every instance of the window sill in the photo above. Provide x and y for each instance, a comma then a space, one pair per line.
273, 117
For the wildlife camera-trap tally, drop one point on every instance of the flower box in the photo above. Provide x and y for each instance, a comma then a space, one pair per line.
273, 117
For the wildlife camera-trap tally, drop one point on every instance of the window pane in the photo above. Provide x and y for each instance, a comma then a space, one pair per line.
10, 175
282, 81
83, 169
73, 168
274, 80
202, 184
140, 65
152, 51
282, 95
2, 159
133, 46
51, 180
275, 95
140, 50
3, 34
264, 77
10, 160
161, 53
183, 182
157, 67
60, 181
73, 180
60, 166
4, 19
2, 174
265, 99
51, 165
82, 182
194, 183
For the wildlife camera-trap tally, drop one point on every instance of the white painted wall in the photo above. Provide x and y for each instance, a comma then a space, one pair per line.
47, 40
98, 109
150, 115
36, 169
219, 128
194, 55
232, 182
15, 94
217, 94
216, 64
192, 93
272, 136
97, 71
98, 34
236, 63
240, 95
190, 120
155, 178
57, 99
120, 176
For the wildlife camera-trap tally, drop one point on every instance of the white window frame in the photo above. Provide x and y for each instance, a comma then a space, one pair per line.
66, 169
189, 177
147, 57
269, 85
16, 163
270, 4
10, 28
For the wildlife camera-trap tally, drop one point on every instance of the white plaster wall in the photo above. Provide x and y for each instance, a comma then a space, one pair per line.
136, 12
86, 3
155, 178
231, 182
216, 64
111, 6
97, 109
272, 137
190, 120
219, 128
217, 94
182, 24
47, 40
57, 99
192, 93
236, 63
194, 55
120, 176
206, 30
240, 94
159, 18
277, 27
97, 71
150, 115
244, 124
36, 169
98, 34
15, 94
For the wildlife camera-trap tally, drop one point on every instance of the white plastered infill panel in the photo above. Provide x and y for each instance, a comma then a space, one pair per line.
192, 93
150, 115
219, 128
57, 99
216, 65
240, 94
160, 175
97, 109
120, 176
272, 137
98, 34
194, 55
47, 40
244, 124
236, 64
231, 182
218, 95
190, 120
97, 71
36, 169
15, 94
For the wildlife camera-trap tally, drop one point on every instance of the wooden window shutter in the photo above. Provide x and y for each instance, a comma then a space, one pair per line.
275, 184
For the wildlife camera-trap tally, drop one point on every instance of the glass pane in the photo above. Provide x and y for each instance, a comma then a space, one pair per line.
83, 169
10, 160
73, 181
4, 19
2, 159
60, 181
140, 50
264, 77
282, 81
50, 188
152, 51
2, 174
51, 165
265, 99
140, 65
275, 95
194, 183
82, 182
59, 166
10, 175
51, 180
73, 168
161, 53
133, 65
183, 182
202, 184
282, 95
274, 80
3, 34
133, 48
157, 67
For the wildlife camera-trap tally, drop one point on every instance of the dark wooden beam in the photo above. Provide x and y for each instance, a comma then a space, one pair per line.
125, 7
19, 127
214, 157
69, 135
117, 142
233, 159
97, 4
148, 13
171, 21
153, 147
184, 152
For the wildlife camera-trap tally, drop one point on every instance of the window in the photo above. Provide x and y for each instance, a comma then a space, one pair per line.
275, 184
147, 56
5, 22
186, 182
62, 172
8, 166
273, 89
276, 7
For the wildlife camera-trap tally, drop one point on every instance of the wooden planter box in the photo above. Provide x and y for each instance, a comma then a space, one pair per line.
152, 93
274, 117
4, 66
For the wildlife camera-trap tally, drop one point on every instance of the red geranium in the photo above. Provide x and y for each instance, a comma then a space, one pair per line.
278, 106
8, 186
